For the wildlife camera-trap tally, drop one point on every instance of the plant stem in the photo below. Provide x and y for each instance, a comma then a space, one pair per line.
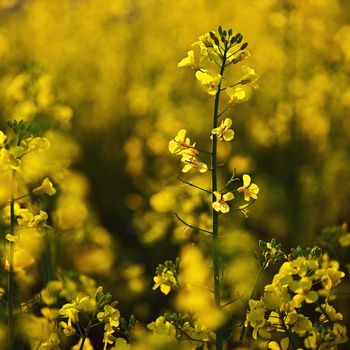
215, 214
10, 280
87, 330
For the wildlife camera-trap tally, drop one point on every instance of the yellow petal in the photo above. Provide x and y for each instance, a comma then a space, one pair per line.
187, 168
180, 137
217, 195
228, 122
254, 188
165, 289
246, 180
285, 343
173, 145
228, 135
216, 206
228, 196
202, 167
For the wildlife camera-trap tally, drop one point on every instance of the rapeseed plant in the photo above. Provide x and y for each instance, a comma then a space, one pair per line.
212, 55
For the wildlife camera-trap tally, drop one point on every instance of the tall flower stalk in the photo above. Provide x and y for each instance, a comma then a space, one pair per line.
11, 284
215, 213
211, 56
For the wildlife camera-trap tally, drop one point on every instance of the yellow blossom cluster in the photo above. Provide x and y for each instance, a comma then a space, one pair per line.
181, 145
165, 277
302, 284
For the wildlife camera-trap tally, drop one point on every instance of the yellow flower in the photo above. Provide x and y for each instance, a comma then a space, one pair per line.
161, 326
239, 56
51, 314
311, 341
26, 218
223, 132
236, 95
108, 337
71, 310
255, 316
21, 260
283, 345
9, 159
303, 293
328, 313
220, 204
193, 163
182, 144
109, 315
52, 343
339, 331
189, 61
250, 190
205, 41
209, 81
11, 238
344, 240
332, 278
45, 188
165, 281
207, 48
67, 328
87, 345
2, 138
49, 294
121, 344
250, 77
37, 143
302, 326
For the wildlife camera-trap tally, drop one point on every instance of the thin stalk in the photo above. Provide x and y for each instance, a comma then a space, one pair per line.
215, 214
10, 277
189, 337
192, 226
189, 183
49, 266
87, 330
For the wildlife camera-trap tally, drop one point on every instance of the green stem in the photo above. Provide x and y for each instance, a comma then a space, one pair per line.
189, 183
10, 280
87, 329
192, 226
215, 214
49, 266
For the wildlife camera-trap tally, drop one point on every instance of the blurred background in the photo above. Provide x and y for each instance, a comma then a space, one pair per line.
103, 77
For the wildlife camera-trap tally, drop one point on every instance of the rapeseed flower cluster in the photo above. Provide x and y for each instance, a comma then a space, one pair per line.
210, 52
165, 277
297, 306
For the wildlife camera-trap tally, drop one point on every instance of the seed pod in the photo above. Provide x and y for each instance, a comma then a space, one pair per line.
244, 46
